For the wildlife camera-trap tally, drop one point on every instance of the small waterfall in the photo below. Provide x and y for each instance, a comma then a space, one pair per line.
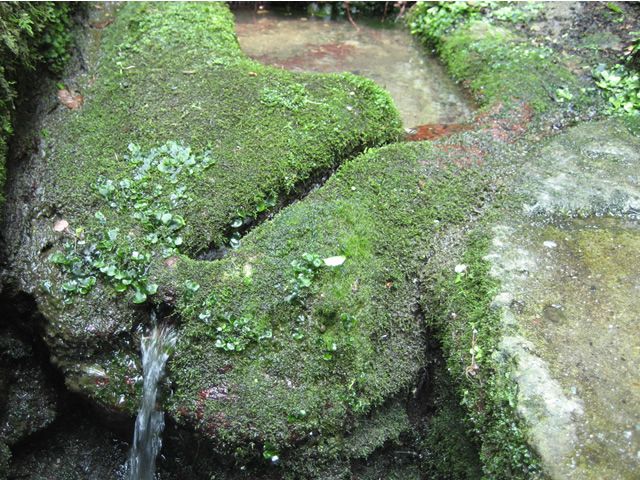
147, 439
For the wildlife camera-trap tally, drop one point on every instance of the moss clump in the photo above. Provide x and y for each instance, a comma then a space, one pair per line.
447, 449
470, 331
498, 65
310, 367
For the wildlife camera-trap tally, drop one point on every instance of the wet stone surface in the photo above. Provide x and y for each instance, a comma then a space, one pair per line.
570, 304
417, 82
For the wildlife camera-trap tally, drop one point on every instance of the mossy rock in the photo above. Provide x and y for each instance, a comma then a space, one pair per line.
525, 307
165, 73
309, 367
27, 397
497, 63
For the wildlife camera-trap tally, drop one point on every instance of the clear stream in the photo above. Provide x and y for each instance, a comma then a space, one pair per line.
383, 52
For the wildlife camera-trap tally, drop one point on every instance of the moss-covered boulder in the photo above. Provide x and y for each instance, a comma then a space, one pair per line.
495, 61
277, 346
536, 311
181, 144
181, 140
568, 274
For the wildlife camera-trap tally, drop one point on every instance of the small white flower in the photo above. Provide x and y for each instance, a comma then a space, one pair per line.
460, 268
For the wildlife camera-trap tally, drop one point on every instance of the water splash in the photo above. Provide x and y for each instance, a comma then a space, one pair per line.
147, 439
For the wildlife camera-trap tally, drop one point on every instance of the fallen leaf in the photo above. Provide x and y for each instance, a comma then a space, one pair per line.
71, 100
334, 261
60, 226
102, 24
171, 262
253, 74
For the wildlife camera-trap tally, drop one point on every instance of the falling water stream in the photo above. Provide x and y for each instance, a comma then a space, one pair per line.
147, 439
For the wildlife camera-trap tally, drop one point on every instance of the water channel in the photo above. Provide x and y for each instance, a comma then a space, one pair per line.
384, 52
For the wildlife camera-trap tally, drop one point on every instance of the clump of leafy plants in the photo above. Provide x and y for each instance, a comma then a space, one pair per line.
621, 87
432, 20
244, 217
232, 333
150, 197
305, 270
621, 83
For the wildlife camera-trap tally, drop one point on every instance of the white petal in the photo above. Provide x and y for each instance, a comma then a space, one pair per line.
334, 261
60, 225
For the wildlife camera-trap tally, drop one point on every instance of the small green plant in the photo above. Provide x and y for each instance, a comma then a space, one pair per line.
621, 87
231, 333
616, 14
245, 216
563, 94
432, 20
150, 197
304, 271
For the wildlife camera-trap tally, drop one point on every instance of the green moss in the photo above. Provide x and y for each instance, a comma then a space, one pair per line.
448, 450
470, 330
501, 67
266, 129
497, 64
381, 211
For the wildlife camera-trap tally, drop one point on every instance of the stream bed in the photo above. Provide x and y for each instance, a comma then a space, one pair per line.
384, 52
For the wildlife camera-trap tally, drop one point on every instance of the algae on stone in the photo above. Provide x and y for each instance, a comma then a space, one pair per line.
568, 301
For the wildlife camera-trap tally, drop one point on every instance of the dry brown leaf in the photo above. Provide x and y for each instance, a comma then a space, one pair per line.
61, 225
71, 100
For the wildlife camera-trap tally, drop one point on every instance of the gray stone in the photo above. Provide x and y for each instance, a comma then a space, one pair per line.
572, 326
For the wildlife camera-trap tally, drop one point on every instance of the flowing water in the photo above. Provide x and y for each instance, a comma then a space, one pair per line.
385, 53
147, 439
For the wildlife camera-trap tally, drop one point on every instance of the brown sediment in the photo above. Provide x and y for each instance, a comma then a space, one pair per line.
433, 131
305, 60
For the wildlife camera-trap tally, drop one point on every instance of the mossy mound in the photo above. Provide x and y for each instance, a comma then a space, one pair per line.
178, 131
316, 357
498, 64
176, 73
